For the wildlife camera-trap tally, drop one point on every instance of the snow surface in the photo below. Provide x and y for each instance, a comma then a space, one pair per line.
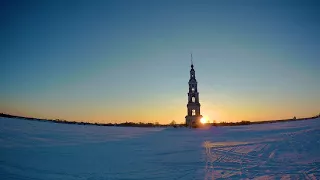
42, 150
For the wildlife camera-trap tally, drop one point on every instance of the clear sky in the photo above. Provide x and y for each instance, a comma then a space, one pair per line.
117, 61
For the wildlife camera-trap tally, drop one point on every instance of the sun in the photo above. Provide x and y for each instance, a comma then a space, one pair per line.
203, 120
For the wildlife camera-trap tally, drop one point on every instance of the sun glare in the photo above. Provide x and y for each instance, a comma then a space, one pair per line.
203, 120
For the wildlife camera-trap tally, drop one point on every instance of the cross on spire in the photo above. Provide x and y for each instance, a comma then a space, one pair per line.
191, 61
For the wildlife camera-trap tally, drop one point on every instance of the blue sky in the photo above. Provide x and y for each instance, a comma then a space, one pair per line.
115, 61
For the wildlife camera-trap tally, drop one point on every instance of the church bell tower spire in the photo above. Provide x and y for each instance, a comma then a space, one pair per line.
193, 107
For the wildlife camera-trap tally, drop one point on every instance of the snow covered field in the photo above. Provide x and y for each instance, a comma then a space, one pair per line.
41, 150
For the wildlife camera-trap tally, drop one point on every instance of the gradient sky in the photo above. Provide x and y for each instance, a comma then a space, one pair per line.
117, 61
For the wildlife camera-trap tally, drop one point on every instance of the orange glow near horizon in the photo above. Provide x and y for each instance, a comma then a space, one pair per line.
148, 113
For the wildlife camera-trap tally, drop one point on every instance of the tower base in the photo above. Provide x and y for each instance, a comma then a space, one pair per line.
193, 121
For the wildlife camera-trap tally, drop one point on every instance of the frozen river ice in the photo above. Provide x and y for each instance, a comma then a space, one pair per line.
41, 150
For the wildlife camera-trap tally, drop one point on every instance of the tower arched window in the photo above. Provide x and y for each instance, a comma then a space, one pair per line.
193, 99
192, 89
193, 112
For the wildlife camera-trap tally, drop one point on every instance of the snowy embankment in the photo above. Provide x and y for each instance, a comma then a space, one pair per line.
42, 150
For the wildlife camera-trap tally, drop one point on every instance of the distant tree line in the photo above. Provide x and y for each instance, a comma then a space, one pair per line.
263, 122
156, 124
125, 124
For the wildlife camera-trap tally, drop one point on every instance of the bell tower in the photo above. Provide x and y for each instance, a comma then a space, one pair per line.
193, 107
